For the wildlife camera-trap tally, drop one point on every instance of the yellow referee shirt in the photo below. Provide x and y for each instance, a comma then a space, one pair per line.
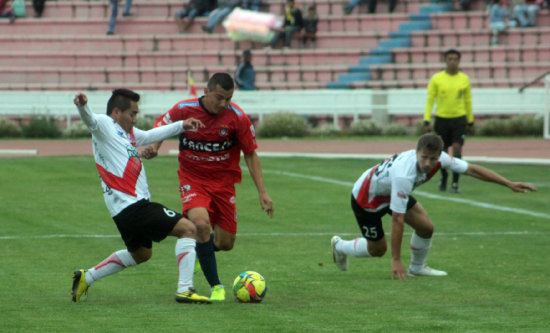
452, 93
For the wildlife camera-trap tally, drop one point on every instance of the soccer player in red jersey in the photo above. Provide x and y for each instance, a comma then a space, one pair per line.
209, 168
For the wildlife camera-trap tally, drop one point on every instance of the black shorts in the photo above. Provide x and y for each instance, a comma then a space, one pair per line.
370, 223
451, 129
144, 222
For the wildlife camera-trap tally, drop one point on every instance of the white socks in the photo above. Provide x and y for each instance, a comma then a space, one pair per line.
185, 255
115, 263
419, 251
355, 247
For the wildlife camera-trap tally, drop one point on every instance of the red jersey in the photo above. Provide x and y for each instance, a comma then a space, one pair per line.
212, 154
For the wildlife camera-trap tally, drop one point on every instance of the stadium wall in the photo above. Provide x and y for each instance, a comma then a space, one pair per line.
380, 105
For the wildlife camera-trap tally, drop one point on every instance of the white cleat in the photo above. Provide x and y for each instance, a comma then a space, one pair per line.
427, 271
341, 260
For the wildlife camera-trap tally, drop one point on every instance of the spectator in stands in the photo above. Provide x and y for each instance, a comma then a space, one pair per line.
525, 11
310, 26
38, 6
6, 11
225, 7
190, 10
293, 23
372, 6
114, 14
253, 5
245, 76
499, 20
451, 90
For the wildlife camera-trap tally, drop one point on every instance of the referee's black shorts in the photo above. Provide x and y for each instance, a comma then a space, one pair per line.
451, 130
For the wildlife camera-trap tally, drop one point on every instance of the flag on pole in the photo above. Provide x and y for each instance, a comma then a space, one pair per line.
191, 84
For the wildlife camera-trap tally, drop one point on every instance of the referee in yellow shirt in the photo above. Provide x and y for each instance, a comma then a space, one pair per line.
450, 89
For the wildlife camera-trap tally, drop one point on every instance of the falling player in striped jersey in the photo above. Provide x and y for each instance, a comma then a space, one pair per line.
209, 168
126, 194
386, 188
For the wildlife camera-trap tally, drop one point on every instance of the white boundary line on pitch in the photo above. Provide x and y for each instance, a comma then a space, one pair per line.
296, 234
477, 159
18, 152
421, 193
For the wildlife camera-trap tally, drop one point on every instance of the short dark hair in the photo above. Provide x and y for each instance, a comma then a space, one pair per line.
247, 53
430, 142
224, 80
121, 99
451, 51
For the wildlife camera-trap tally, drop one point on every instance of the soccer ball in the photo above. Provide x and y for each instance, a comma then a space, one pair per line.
249, 287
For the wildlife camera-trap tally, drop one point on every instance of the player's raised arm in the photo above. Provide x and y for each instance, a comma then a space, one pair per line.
81, 102
80, 99
485, 174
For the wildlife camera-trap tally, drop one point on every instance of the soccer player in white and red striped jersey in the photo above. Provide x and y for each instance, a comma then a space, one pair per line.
386, 188
126, 193
209, 168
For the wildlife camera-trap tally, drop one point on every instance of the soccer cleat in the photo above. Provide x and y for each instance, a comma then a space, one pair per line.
80, 286
190, 296
442, 187
454, 188
218, 293
341, 260
197, 267
427, 271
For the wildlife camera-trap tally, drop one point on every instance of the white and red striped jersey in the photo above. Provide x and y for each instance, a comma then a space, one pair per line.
122, 174
390, 183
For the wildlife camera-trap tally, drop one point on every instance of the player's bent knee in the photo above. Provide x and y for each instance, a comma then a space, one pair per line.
426, 230
184, 228
142, 256
226, 246
377, 249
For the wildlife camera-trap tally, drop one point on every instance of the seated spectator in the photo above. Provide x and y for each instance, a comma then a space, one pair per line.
190, 10
38, 6
252, 5
245, 76
525, 12
310, 26
499, 20
293, 23
372, 6
6, 11
225, 7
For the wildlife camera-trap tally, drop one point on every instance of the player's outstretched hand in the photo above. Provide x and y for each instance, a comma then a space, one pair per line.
148, 153
522, 187
267, 204
80, 99
398, 270
192, 124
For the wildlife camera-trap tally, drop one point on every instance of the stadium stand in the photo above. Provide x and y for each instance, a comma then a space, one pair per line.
353, 51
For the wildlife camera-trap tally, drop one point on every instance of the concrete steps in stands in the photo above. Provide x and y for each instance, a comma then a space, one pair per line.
483, 53
262, 57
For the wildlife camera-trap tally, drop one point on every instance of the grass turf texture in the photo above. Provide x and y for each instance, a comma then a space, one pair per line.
497, 260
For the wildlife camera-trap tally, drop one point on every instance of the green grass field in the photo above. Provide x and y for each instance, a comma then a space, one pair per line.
54, 220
